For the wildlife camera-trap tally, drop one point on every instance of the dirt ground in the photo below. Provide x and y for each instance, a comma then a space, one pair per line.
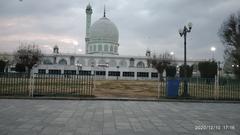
126, 88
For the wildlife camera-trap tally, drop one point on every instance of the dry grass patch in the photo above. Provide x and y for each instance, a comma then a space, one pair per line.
126, 88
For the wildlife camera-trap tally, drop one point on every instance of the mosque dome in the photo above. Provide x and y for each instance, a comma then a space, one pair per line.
103, 31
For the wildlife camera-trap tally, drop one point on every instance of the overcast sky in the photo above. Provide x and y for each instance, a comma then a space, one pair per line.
142, 24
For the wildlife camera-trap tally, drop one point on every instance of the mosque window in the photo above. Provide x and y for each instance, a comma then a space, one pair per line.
115, 49
154, 75
111, 48
54, 72
140, 64
131, 62
100, 73
62, 62
99, 48
72, 59
91, 48
128, 74
42, 71
114, 73
84, 72
142, 74
94, 48
105, 48
69, 72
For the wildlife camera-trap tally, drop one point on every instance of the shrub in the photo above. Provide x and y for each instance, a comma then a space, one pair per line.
208, 69
20, 67
189, 71
171, 71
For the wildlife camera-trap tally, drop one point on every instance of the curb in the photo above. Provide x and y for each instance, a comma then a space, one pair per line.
122, 99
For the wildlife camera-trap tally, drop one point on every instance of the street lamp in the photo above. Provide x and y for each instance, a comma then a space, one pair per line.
79, 67
183, 32
172, 54
92, 70
118, 73
213, 49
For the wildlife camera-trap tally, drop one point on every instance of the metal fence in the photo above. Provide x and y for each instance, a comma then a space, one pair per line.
46, 85
15, 84
205, 88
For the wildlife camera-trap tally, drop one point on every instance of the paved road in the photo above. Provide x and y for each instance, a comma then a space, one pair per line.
68, 117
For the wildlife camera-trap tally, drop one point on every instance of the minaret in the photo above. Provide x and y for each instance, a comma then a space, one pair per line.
88, 24
104, 13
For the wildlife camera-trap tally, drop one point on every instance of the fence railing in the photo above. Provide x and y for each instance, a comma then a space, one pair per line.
46, 85
16, 84
206, 88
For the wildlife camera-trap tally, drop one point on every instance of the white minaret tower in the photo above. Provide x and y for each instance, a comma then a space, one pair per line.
88, 24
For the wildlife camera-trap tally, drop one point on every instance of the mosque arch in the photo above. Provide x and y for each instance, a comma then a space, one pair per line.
140, 64
101, 61
105, 48
131, 60
111, 48
115, 49
123, 63
91, 62
62, 62
72, 60
94, 48
112, 63
91, 48
81, 61
99, 47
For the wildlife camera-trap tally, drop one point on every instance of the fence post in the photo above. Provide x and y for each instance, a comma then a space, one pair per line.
216, 88
93, 79
158, 86
31, 84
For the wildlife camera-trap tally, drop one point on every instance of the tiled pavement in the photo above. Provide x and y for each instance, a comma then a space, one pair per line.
73, 117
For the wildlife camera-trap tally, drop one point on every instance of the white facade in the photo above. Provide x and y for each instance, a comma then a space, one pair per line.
134, 66
101, 58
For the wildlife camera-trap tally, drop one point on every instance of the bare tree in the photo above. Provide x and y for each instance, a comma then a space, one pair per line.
161, 62
230, 37
28, 55
5, 60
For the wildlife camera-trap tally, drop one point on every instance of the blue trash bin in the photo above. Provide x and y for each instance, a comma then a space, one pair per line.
172, 88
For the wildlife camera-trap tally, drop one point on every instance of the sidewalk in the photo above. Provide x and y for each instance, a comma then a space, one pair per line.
95, 117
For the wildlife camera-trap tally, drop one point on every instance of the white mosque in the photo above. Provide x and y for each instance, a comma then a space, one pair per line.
101, 56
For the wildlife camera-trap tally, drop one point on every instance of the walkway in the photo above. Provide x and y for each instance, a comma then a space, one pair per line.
74, 117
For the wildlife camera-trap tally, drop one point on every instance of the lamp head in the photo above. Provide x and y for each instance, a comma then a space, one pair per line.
213, 49
190, 25
180, 31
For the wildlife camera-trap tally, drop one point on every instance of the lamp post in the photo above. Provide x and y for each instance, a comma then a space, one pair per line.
118, 73
213, 49
183, 32
79, 67
92, 70
172, 54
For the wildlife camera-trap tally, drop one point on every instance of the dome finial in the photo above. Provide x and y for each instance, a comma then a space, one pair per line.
104, 13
